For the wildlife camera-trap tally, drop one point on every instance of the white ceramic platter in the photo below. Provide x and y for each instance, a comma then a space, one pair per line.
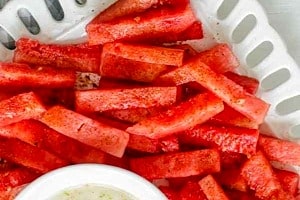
240, 23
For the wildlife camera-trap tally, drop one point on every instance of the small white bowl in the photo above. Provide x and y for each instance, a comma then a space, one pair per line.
64, 178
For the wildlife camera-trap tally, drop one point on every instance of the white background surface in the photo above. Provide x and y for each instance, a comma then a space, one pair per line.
284, 16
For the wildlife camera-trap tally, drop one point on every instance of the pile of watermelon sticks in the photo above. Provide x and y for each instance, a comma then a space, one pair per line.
179, 117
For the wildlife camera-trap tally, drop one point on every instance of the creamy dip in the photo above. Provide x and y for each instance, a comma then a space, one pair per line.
92, 192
